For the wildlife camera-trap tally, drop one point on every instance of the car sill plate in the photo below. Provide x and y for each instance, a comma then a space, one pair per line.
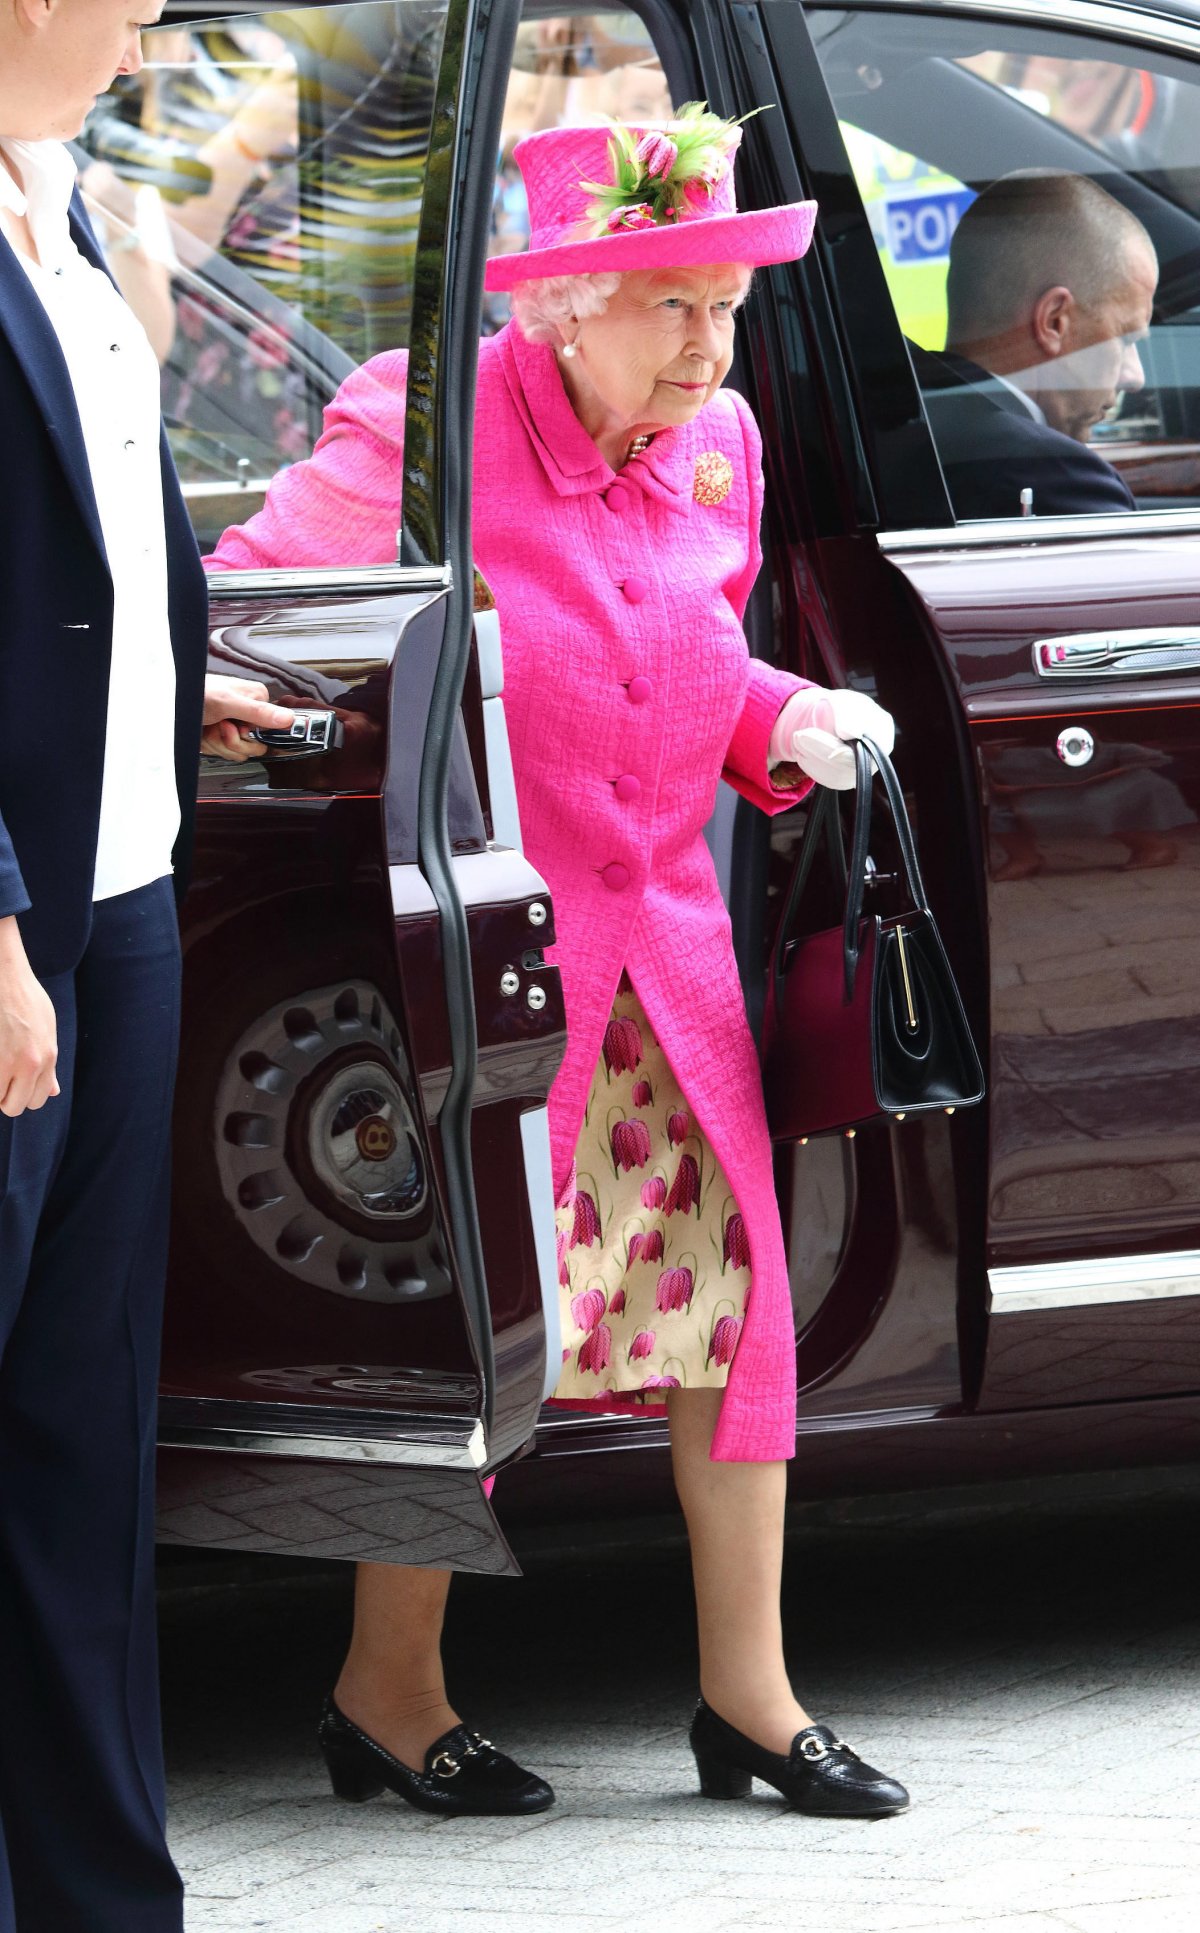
1090, 1283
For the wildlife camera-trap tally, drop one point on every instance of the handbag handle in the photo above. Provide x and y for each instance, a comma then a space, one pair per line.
823, 819
866, 755
823, 815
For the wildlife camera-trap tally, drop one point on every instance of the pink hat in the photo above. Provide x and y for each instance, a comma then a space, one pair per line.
658, 196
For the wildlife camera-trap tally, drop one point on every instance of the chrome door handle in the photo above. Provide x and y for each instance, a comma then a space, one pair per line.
1118, 654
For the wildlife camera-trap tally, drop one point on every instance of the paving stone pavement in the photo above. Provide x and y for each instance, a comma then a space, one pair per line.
1027, 1661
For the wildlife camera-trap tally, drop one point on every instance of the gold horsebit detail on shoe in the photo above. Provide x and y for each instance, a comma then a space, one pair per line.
446, 1767
816, 1748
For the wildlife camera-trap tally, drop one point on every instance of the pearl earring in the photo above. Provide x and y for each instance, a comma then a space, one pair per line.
569, 349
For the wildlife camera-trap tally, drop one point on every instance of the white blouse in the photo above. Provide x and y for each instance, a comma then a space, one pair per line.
115, 378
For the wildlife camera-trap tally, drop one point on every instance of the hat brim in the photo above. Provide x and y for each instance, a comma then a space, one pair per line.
757, 236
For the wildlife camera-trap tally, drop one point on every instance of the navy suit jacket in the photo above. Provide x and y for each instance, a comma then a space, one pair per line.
56, 614
991, 448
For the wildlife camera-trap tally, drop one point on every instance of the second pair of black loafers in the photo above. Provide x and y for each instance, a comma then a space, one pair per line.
464, 1773
820, 1775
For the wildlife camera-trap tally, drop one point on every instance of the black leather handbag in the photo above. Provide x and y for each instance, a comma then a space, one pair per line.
863, 1019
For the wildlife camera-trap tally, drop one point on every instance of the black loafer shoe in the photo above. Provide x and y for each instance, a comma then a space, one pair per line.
463, 1772
820, 1775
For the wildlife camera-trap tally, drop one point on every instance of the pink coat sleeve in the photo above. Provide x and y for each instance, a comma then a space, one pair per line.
342, 505
769, 689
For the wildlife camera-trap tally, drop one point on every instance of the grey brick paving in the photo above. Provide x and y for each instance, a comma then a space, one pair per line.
1028, 1662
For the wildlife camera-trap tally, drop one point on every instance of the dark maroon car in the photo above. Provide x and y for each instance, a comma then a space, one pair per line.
362, 1314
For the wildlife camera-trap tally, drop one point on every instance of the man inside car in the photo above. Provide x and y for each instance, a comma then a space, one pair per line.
1051, 286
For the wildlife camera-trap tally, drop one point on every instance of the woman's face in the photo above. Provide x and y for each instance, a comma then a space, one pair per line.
660, 350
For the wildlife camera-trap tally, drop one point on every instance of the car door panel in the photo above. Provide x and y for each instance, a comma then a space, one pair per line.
1093, 919
305, 1311
971, 715
362, 1265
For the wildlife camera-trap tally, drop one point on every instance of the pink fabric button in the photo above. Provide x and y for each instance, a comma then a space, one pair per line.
618, 497
639, 690
628, 787
635, 589
616, 877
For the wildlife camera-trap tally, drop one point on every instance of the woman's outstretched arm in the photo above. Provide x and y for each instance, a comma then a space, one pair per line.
341, 506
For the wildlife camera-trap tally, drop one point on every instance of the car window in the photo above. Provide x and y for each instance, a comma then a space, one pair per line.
568, 67
978, 147
257, 189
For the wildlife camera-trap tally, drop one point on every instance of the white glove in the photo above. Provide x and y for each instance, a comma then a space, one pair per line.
813, 726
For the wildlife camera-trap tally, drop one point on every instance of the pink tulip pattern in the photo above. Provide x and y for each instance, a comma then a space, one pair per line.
631, 1144
735, 1243
622, 1046
587, 1309
646, 1248
684, 1192
655, 1277
675, 1290
586, 1230
723, 1341
595, 1351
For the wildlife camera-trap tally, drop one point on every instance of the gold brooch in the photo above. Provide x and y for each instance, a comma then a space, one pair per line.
714, 478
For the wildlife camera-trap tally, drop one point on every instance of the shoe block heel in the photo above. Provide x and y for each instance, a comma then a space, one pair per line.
720, 1780
349, 1777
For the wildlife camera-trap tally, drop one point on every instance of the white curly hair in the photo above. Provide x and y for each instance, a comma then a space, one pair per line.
541, 305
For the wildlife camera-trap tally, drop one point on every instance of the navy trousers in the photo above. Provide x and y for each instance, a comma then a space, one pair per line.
83, 1222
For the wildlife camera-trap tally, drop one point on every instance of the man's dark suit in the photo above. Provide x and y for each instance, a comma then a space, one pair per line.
82, 1189
992, 447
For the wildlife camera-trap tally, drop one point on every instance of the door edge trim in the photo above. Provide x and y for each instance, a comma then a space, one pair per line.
377, 579
1158, 28
1093, 1283
1021, 532
467, 1452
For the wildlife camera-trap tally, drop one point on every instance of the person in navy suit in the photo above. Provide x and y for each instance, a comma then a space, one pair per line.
1051, 284
103, 702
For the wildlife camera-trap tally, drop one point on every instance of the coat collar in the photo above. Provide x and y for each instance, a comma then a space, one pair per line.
574, 466
37, 349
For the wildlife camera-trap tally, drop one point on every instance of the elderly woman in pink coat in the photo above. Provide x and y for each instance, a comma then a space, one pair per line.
618, 498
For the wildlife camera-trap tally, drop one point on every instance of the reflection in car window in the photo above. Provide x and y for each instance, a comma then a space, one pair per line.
1002, 159
257, 188
568, 67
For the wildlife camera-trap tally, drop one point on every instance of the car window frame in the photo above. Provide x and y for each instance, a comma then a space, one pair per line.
1157, 34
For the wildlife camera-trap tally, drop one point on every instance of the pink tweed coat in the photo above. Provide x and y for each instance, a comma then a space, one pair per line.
629, 691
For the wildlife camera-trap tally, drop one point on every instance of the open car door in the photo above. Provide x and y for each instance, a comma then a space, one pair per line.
363, 1257
1044, 673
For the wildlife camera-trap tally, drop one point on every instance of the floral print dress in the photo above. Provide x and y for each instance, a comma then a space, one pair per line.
653, 1259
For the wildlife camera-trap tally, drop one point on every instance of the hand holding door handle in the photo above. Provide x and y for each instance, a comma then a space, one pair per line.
234, 708
309, 732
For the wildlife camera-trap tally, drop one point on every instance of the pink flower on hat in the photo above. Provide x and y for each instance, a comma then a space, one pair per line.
713, 174
640, 215
656, 152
